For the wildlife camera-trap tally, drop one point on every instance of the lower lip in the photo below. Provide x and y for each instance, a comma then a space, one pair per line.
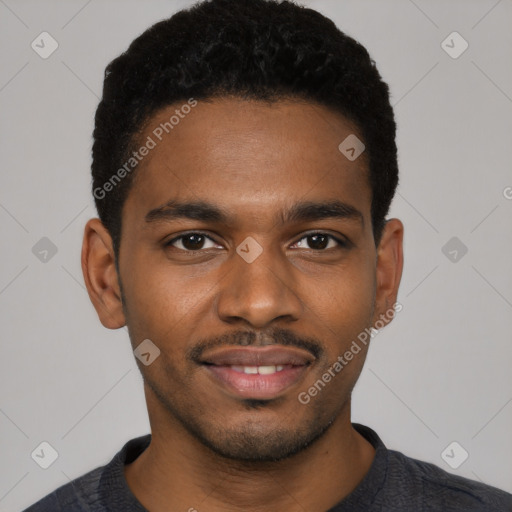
256, 386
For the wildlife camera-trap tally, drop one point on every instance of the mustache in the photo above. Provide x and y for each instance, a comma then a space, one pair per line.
276, 336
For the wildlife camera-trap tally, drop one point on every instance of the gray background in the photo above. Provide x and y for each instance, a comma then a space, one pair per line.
439, 373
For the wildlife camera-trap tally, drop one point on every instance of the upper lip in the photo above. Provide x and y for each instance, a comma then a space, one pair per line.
257, 356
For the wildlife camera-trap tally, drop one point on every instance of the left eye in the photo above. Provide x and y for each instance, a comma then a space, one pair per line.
320, 241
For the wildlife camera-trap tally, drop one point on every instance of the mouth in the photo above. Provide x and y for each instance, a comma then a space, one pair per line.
262, 373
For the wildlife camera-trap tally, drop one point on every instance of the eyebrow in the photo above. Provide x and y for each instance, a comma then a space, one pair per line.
299, 212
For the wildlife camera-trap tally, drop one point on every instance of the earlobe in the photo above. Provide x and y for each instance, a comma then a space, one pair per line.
100, 274
389, 270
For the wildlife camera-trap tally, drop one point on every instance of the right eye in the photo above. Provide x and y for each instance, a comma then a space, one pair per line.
191, 242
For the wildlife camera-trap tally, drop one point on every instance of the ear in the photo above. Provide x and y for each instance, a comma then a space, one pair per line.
390, 262
100, 274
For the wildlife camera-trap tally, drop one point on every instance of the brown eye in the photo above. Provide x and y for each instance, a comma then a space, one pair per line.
320, 241
190, 242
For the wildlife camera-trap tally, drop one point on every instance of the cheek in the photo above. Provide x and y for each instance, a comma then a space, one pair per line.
160, 305
343, 299
340, 311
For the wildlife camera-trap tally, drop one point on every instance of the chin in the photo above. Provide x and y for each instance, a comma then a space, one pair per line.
254, 443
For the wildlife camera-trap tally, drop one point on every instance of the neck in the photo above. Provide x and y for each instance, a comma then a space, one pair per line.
177, 472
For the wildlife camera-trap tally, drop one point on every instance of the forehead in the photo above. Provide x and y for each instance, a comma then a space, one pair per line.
247, 155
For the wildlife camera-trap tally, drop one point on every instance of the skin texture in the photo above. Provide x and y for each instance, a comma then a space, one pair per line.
212, 449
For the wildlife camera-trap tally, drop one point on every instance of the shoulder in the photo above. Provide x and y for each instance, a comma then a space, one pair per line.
442, 490
77, 495
101, 489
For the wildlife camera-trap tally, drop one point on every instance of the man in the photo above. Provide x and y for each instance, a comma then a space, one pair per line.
244, 162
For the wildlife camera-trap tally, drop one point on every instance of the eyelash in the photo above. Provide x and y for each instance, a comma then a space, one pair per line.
341, 243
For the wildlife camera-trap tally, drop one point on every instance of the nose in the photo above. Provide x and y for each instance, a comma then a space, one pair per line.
259, 293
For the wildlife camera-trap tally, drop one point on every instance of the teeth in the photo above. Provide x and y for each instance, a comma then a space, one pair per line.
266, 370
262, 370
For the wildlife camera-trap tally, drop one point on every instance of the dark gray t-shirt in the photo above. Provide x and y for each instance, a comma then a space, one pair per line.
394, 483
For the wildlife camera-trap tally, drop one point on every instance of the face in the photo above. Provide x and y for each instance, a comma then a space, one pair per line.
247, 257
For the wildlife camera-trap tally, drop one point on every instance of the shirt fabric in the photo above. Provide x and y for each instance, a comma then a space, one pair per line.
394, 483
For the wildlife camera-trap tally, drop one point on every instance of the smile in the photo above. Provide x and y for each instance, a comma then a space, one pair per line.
257, 372
262, 370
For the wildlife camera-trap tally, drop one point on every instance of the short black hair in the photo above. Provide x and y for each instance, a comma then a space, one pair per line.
266, 50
